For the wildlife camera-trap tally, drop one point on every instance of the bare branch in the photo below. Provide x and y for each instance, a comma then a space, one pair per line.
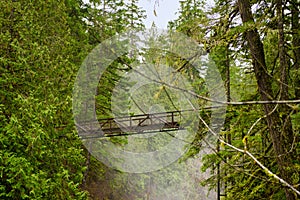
267, 171
216, 101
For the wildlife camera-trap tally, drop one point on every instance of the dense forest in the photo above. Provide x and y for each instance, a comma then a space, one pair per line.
230, 64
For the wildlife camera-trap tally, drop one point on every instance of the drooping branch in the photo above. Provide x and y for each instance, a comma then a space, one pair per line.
245, 151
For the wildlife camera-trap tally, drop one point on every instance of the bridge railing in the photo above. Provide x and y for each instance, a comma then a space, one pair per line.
142, 122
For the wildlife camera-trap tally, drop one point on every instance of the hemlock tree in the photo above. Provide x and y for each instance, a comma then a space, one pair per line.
256, 42
42, 45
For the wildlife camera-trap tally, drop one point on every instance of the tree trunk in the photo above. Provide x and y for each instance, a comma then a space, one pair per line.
284, 89
282, 58
274, 122
296, 44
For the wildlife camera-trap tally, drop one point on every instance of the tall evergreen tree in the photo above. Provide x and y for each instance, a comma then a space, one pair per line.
41, 156
261, 40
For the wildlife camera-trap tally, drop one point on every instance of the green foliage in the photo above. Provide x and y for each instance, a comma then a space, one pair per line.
42, 46
41, 156
241, 177
190, 16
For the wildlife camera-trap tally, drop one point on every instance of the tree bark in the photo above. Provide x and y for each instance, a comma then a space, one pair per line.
283, 66
275, 124
296, 43
227, 83
282, 58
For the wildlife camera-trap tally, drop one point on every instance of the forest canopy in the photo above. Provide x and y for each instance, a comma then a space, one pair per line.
254, 47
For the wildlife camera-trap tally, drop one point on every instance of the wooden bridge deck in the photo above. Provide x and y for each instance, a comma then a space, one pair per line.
136, 124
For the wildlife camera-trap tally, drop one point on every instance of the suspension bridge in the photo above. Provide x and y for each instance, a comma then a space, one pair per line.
133, 124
